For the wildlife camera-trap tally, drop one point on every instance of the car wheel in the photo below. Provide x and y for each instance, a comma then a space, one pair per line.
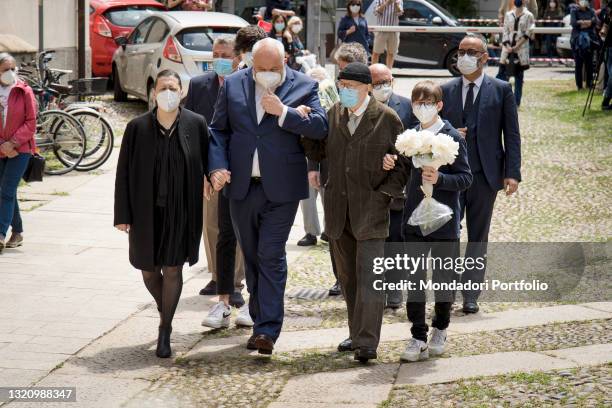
118, 93
451, 63
150, 98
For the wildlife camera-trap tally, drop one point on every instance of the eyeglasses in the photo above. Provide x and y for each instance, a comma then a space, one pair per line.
471, 52
423, 103
381, 85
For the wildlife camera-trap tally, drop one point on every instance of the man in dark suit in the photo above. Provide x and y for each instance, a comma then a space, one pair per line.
255, 150
382, 90
201, 98
483, 109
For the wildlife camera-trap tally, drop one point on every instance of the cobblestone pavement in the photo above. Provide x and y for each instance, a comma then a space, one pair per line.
579, 387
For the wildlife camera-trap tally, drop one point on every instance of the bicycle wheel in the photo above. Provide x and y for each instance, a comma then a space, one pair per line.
100, 138
61, 141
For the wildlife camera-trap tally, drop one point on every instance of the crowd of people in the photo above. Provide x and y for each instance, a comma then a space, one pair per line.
261, 137
257, 136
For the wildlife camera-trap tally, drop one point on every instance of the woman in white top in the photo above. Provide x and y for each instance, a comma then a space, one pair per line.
518, 29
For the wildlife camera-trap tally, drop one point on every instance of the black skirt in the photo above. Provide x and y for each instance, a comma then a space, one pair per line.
170, 221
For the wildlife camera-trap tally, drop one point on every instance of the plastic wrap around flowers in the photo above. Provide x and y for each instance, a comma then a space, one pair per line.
434, 150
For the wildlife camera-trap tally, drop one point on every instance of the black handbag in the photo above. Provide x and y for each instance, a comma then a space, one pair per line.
513, 66
35, 169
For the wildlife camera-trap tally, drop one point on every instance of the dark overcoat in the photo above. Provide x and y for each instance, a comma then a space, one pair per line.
134, 183
357, 182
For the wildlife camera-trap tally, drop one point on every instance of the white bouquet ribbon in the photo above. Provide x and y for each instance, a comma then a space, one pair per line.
428, 149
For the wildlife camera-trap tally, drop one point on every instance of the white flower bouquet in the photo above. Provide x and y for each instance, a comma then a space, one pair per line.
428, 149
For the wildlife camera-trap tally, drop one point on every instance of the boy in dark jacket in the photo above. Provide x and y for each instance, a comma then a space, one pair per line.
448, 182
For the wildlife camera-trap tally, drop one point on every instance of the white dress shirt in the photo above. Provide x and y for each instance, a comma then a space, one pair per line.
260, 91
356, 116
466, 87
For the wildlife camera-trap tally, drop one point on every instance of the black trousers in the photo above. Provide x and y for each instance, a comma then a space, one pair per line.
226, 249
583, 60
415, 303
477, 204
394, 275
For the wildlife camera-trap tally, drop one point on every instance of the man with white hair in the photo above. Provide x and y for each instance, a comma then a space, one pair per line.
255, 153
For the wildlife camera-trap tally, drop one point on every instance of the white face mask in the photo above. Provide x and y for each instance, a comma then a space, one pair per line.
9, 77
425, 113
168, 100
296, 28
268, 80
383, 93
467, 65
355, 9
584, 3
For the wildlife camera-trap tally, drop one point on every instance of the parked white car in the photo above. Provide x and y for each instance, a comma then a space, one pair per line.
177, 40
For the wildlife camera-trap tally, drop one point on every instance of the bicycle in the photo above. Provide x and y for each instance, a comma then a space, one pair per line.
52, 95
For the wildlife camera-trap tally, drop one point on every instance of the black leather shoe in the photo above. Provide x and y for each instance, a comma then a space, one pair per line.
251, 343
163, 343
470, 307
324, 237
346, 345
308, 240
210, 289
335, 290
236, 300
264, 344
363, 354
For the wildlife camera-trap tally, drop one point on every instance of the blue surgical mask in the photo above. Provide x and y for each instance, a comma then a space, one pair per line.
279, 27
222, 66
349, 97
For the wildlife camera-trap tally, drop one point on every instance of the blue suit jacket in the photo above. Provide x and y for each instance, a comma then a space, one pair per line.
202, 95
361, 34
452, 179
498, 136
235, 134
403, 107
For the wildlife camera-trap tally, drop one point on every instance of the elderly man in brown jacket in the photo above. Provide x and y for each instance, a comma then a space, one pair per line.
358, 194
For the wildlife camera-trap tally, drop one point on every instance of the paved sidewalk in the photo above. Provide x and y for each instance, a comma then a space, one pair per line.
71, 282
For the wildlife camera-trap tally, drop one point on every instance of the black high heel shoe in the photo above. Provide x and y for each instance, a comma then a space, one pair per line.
163, 343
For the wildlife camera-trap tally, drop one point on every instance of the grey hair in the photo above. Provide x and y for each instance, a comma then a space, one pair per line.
224, 40
270, 41
352, 52
5, 56
479, 37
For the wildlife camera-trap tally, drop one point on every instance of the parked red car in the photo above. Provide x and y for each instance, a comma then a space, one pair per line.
109, 19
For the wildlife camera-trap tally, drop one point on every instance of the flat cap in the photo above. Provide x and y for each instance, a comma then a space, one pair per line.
356, 71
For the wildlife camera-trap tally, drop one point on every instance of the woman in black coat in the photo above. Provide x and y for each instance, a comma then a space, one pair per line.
159, 195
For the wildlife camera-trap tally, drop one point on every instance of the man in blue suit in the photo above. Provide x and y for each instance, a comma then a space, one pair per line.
483, 109
255, 150
382, 89
201, 98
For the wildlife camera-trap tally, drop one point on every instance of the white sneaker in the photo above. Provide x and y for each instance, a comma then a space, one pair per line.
218, 317
416, 350
437, 342
244, 318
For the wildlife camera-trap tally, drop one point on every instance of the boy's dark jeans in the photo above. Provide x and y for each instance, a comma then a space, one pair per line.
415, 304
